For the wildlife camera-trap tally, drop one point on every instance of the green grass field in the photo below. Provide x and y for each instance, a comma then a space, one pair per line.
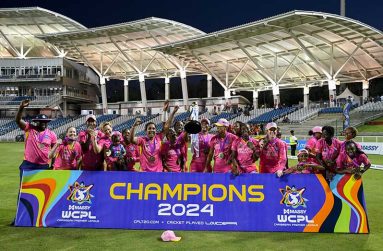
18, 238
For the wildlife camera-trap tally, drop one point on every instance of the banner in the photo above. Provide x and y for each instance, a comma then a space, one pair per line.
372, 148
192, 201
367, 147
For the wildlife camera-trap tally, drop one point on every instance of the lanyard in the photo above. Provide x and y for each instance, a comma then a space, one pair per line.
222, 145
152, 147
40, 138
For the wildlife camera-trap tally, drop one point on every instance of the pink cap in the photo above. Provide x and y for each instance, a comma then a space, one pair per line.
90, 116
317, 129
271, 125
222, 122
169, 235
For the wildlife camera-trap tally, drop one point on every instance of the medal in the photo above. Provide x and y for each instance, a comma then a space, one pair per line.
40, 138
221, 155
152, 159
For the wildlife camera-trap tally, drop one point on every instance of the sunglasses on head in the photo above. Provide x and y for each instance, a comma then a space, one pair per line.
273, 129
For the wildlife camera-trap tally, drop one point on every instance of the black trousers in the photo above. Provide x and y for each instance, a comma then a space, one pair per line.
293, 148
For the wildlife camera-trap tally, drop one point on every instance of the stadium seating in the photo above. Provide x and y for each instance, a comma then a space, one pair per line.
370, 107
225, 115
300, 115
100, 119
129, 123
272, 115
336, 109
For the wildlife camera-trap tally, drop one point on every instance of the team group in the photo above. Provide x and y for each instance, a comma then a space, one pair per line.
232, 148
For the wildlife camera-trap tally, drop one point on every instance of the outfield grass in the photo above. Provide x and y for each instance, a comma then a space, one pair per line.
370, 128
17, 238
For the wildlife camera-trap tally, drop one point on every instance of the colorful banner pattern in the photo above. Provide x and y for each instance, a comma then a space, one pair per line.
184, 201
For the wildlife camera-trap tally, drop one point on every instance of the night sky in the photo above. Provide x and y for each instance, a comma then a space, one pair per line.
206, 15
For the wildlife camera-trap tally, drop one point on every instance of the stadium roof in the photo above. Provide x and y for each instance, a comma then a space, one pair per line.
294, 49
123, 51
19, 26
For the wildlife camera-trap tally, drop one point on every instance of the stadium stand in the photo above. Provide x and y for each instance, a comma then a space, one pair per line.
100, 119
272, 115
299, 115
370, 107
336, 109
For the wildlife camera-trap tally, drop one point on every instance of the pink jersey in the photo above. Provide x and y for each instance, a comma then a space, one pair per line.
273, 157
172, 153
38, 144
150, 159
310, 146
222, 152
198, 163
67, 156
181, 140
329, 152
133, 153
345, 162
90, 160
104, 143
245, 154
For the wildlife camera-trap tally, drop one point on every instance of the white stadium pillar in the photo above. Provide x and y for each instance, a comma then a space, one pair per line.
255, 99
306, 92
103, 95
126, 90
184, 85
276, 97
141, 78
65, 106
209, 86
332, 92
365, 87
227, 94
167, 89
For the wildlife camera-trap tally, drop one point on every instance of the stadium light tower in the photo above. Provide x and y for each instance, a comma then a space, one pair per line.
343, 8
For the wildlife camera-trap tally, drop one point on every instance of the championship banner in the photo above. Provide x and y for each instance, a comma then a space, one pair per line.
192, 201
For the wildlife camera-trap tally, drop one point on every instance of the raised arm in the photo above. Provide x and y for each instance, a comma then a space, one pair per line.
19, 121
170, 120
132, 137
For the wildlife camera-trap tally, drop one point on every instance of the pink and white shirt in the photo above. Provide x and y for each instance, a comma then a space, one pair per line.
273, 157
91, 161
132, 152
38, 144
310, 146
329, 152
345, 162
222, 152
67, 156
245, 154
150, 159
198, 163
172, 153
